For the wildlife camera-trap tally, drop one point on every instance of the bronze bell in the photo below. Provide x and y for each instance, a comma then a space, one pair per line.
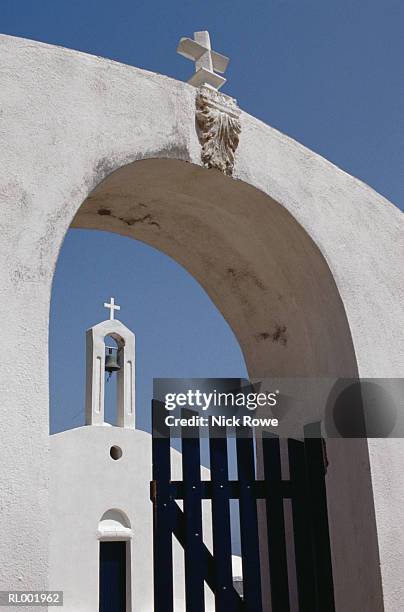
111, 360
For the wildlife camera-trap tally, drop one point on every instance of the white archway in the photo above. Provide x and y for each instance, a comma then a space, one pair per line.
275, 289
341, 235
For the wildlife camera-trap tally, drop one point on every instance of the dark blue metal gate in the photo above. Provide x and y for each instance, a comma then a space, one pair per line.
305, 489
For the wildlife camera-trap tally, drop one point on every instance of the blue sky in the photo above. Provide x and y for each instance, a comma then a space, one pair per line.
329, 74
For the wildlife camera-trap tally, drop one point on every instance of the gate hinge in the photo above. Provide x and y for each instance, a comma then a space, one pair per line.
153, 491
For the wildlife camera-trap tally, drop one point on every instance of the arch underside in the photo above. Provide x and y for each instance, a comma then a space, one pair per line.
257, 264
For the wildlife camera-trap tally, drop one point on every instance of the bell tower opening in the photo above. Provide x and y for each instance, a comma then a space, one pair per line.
112, 367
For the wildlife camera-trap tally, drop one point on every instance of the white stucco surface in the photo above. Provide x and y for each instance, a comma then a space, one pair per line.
291, 241
86, 482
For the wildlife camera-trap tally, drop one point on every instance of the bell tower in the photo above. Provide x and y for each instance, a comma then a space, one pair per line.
119, 361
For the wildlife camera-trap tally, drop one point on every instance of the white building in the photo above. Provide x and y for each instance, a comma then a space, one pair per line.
99, 489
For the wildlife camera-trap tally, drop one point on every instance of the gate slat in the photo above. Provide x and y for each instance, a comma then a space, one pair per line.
275, 524
162, 540
209, 562
314, 452
304, 559
221, 528
195, 569
248, 522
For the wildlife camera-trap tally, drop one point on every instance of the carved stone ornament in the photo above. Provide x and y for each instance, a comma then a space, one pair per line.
218, 120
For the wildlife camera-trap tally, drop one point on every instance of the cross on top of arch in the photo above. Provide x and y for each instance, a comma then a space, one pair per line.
207, 62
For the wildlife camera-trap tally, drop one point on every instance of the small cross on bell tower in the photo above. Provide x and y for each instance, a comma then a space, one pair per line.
112, 307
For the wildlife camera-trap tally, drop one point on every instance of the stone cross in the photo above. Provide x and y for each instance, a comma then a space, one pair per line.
207, 62
112, 307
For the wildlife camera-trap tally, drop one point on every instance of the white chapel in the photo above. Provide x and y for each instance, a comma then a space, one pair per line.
100, 505
101, 550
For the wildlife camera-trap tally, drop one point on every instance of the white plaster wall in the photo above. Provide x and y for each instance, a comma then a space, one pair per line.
66, 121
85, 483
